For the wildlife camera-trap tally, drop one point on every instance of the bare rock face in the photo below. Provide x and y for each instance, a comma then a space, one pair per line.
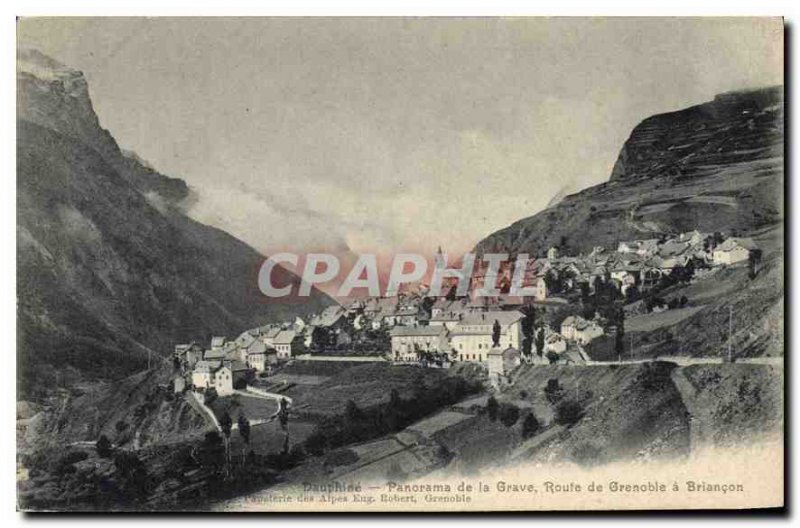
717, 166
110, 270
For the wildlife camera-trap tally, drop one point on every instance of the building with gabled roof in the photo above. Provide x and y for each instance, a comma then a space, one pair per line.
471, 339
407, 341
286, 343
501, 361
203, 373
733, 250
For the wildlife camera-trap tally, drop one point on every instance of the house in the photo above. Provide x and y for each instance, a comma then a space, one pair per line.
217, 342
733, 250
189, 354
471, 338
286, 343
203, 373
178, 384
552, 254
644, 248
555, 342
247, 337
541, 289
331, 317
407, 341
215, 354
235, 352
694, 238
232, 375
298, 325
576, 328
260, 356
268, 334
502, 361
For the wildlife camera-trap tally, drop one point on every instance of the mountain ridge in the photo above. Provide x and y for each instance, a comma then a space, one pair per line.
716, 166
110, 269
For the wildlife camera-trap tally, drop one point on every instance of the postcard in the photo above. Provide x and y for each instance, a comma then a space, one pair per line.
400, 264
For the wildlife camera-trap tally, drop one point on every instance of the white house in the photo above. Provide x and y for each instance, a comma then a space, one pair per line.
733, 250
407, 340
260, 356
643, 248
502, 361
227, 377
203, 373
576, 328
471, 338
552, 254
284, 343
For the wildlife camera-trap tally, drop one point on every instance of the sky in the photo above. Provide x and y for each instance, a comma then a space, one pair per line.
389, 135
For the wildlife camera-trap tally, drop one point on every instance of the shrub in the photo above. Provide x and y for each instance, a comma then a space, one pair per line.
553, 391
492, 408
530, 426
103, 446
209, 396
509, 414
65, 463
568, 412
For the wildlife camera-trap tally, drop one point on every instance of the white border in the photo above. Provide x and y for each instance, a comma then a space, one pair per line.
322, 8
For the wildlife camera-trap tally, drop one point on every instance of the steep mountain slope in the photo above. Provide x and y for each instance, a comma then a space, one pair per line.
717, 166
109, 268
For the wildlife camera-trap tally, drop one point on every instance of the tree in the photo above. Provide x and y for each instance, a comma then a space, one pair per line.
540, 342
244, 428
753, 259
530, 426
103, 446
492, 407
568, 412
226, 424
509, 414
527, 326
619, 338
211, 450
496, 333
553, 391
352, 412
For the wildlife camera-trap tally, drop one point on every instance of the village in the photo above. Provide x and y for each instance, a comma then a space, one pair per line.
578, 300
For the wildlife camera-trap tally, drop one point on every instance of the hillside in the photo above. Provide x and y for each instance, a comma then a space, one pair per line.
109, 267
717, 166
713, 167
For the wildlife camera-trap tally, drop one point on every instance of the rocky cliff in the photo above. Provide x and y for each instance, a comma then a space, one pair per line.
110, 270
717, 166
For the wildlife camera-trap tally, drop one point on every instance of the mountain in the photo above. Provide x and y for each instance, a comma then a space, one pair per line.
109, 268
717, 166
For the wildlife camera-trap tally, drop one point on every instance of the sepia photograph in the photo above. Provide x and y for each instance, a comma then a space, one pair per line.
400, 264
